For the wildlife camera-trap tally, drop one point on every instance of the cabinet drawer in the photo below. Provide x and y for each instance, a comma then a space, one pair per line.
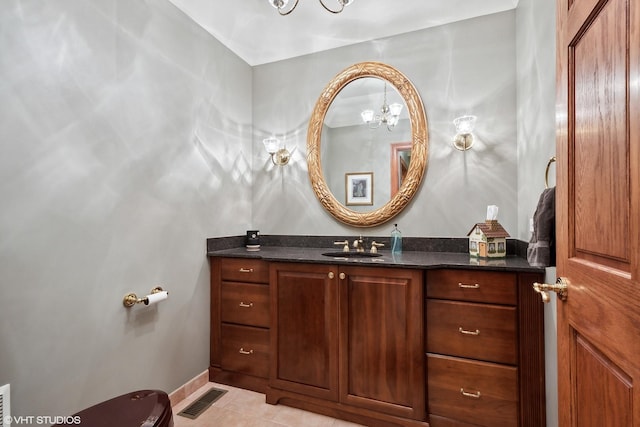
245, 303
475, 286
477, 393
244, 270
245, 349
479, 331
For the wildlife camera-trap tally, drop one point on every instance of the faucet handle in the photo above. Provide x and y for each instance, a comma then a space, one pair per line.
375, 246
344, 244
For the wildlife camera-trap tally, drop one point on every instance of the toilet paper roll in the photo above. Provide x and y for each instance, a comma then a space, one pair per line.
154, 298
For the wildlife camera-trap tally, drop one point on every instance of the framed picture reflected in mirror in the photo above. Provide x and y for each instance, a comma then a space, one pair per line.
359, 188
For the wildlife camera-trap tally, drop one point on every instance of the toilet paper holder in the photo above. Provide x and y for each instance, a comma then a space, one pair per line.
132, 299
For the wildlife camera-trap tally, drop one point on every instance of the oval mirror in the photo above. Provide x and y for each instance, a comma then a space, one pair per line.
367, 144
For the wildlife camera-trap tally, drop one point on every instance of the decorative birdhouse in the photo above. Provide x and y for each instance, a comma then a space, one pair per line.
488, 240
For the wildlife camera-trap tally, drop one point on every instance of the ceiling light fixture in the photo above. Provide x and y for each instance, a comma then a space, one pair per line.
281, 5
390, 114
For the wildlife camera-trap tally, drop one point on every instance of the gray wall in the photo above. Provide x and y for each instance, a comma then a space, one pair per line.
125, 141
535, 21
467, 67
536, 25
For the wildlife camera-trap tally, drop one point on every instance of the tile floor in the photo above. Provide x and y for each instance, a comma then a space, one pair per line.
244, 408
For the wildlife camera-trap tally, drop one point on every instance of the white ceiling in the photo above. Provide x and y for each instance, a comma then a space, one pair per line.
255, 31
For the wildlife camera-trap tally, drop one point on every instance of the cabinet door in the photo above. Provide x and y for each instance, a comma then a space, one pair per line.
381, 332
304, 301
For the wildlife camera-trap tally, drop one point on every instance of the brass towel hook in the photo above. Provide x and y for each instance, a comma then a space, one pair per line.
546, 172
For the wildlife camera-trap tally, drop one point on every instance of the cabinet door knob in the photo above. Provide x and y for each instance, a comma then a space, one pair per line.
245, 305
466, 332
243, 351
331, 275
475, 394
342, 276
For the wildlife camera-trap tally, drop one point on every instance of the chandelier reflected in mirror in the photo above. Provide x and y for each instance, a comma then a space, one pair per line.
389, 114
281, 5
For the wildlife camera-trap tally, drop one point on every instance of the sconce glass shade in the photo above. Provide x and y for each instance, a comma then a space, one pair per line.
367, 116
280, 156
271, 144
395, 109
465, 124
464, 136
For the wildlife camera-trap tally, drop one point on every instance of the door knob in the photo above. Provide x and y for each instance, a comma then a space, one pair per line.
560, 287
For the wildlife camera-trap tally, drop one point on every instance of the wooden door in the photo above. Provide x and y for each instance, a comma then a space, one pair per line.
304, 338
381, 340
598, 206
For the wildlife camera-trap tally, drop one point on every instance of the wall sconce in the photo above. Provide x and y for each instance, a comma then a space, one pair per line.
464, 138
279, 154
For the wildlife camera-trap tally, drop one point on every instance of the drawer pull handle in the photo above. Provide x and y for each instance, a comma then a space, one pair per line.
243, 351
246, 270
466, 286
475, 395
245, 305
466, 332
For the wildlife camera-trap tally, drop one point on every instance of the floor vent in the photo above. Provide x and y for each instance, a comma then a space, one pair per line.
5, 407
201, 404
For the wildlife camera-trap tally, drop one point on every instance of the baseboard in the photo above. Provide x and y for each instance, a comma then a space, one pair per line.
188, 388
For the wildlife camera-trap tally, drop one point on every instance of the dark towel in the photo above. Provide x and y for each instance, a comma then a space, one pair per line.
541, 251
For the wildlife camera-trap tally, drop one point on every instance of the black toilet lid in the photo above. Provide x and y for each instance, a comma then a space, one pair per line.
143, 408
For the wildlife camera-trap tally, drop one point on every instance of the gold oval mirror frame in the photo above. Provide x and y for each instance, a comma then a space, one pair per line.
419, 145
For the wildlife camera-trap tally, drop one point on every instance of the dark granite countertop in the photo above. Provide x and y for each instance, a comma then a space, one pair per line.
407, 259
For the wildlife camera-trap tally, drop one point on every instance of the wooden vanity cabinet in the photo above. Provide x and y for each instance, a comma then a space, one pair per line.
485, 349
382, 346
348, 341
240, 321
